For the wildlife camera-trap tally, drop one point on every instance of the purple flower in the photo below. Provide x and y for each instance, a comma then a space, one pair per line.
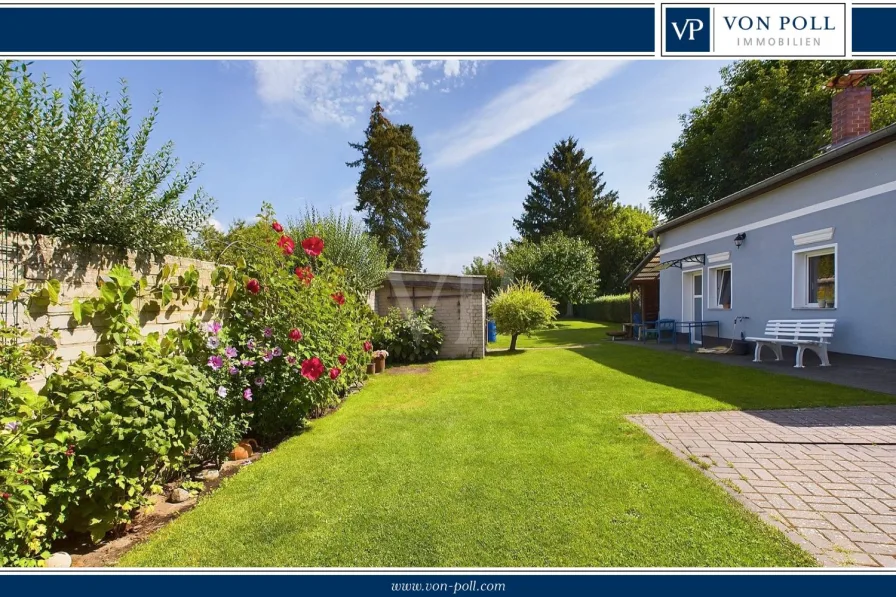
268, 356
12, 426
215, 362
268, 332
291, 360
277, 351
259, 381
231, 352
233, 370
213, 327
222, 391
250, 344
247, 363
247, 394
212, 342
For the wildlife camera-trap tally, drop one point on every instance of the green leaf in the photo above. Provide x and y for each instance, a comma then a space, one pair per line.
76, 311
167, 294
92, 472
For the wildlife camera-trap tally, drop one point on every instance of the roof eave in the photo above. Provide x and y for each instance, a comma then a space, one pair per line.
826, 160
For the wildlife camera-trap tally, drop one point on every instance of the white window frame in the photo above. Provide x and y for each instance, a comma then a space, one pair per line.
711, 288
800, 284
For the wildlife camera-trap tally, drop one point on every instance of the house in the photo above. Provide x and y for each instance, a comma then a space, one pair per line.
815, 241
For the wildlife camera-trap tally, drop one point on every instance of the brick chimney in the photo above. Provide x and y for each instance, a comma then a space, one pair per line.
851, 116
851, 106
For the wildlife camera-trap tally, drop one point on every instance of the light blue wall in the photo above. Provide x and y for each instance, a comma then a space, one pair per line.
865, 234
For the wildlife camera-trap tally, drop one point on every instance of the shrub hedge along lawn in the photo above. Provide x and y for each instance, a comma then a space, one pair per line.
520, 459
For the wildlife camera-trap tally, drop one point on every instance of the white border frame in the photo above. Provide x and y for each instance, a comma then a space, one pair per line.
806, 253
710, 271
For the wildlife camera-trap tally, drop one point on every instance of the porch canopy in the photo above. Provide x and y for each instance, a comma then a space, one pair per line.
644, 281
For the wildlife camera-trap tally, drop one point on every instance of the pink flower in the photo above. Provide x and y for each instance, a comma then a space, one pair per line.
343, 359
277, 226
295, 335
247, 394
215, 362
367, 346
313, 246
213, 327
253, 286
268, 332
312, 368
334, 372
291, 360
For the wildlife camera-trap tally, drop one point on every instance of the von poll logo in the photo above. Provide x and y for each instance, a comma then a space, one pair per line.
687, 29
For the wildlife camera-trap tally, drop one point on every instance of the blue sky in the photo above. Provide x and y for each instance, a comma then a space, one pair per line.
278, 131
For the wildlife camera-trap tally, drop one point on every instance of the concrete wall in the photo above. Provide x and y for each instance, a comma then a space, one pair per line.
857, 198
459, 303
37, 259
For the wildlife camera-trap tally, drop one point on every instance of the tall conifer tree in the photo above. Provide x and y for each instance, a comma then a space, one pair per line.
391, 189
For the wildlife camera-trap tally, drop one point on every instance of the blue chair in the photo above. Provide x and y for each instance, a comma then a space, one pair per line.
637, 326
661, 325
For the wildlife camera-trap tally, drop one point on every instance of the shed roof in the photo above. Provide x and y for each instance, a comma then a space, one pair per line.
647, 270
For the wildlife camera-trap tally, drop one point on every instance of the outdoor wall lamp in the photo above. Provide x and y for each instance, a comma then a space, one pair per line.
739, 239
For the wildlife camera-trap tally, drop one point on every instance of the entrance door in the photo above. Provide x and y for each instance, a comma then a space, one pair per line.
693, 302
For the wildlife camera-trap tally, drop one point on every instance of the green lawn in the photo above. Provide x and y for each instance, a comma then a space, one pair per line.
519, 459
566, 332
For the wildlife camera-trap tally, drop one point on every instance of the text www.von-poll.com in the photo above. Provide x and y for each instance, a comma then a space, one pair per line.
470, 586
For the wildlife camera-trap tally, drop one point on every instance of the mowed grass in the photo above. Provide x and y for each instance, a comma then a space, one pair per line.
565, 332
520, 459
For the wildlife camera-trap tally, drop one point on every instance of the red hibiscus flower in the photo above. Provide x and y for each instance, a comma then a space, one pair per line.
312, 368
287, 244
276, 226
334, 372
305, 275
343, 359
367, 346
338, 298
253, 286
313, 245
295, 334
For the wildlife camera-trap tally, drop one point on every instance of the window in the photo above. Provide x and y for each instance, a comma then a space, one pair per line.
815, 278
720, 287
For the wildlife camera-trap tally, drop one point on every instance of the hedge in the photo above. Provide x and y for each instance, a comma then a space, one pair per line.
611, 307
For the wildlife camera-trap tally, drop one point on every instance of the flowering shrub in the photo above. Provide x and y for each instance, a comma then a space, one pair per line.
24, 534
293, 338
410, 337
124, 419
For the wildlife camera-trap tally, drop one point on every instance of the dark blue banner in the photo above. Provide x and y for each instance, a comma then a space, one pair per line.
747, 585
569, 31
874, 29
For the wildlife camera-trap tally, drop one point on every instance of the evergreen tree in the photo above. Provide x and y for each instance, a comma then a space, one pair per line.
566, 194
392, 191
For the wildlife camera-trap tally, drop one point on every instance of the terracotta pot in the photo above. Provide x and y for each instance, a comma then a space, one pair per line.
243, 450
370, 369
379, 364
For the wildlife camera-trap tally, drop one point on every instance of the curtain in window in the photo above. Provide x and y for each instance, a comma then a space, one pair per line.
723, 286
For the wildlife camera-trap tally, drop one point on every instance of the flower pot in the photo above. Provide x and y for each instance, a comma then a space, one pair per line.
370, 369
379, 364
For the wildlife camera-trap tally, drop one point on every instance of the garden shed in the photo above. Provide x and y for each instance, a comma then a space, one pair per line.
458, 301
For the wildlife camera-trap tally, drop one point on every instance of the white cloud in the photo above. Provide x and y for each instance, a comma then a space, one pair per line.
545, 93
216, 224
336, 91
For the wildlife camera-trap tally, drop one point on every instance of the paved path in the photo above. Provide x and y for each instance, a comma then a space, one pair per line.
825, 476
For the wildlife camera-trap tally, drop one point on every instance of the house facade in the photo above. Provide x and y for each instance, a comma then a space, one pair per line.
815, 242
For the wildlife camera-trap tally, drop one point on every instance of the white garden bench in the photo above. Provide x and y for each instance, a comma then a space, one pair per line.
811, 334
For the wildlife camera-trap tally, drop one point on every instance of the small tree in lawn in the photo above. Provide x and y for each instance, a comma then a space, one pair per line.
521, 308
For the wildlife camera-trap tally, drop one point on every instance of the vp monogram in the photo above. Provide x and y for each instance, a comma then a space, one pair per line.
691, 26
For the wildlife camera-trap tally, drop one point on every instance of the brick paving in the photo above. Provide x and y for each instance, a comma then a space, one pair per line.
824, 476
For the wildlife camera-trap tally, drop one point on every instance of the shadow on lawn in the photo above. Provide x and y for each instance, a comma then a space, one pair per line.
743, 388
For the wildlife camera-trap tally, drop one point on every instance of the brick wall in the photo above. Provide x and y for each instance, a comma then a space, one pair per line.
459, 303
37, 259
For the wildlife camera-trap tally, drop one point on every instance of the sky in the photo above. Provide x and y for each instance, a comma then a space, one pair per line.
279, 130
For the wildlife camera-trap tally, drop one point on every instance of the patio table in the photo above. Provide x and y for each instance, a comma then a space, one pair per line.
688, 326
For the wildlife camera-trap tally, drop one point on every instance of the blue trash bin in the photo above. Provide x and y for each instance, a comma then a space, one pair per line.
492, 331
